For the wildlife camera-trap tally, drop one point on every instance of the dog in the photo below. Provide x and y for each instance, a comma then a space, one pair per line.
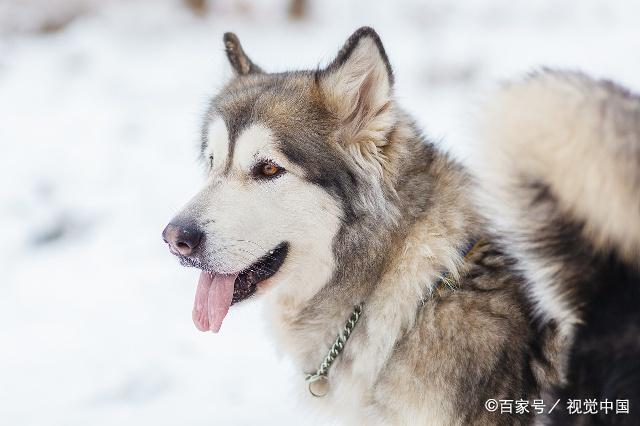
406, 287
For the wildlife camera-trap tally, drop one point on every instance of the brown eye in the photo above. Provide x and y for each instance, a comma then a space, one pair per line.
267, 170
270, 169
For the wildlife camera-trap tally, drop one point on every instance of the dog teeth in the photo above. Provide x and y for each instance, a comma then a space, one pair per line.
270, 251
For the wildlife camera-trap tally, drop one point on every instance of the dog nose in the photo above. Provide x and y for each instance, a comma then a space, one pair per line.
182, 239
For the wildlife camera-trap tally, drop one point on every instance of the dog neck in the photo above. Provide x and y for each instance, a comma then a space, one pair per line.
436, 223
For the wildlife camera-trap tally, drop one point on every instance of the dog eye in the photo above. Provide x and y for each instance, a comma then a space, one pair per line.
267, 170
270, 169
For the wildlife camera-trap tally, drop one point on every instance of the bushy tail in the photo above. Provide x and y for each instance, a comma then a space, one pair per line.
558, 163
557, 159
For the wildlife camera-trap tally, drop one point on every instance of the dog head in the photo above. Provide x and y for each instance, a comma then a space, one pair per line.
291, 159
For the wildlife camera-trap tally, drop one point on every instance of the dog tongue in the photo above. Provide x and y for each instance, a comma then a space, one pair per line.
213, 298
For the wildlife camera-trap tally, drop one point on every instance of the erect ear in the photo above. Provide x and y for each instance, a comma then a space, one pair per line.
239, 60
357, 88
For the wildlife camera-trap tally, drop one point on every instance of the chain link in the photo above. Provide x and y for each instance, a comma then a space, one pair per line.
337, 347
341, 340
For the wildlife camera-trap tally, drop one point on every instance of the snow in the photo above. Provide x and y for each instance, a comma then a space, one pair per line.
99, 132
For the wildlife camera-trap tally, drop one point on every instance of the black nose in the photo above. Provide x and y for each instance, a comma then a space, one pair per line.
183, 239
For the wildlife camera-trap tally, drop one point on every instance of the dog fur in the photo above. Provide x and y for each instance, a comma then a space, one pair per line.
375, 213
557, 162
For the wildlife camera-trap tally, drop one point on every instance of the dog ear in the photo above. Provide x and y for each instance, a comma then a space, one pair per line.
357, 88
239, 60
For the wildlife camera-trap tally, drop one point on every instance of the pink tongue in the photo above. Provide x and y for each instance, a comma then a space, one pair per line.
213, 298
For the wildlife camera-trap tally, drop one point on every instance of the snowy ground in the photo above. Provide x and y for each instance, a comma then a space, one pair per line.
98, 134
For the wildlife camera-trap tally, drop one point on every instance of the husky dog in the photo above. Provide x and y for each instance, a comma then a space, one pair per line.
323, 198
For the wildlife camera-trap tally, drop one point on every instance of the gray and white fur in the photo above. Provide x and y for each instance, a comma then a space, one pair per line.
372, 212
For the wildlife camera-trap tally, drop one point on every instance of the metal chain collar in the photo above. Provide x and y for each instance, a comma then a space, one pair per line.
318, 381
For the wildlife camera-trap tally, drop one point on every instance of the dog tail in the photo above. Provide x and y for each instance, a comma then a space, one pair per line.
557, 159
558, 163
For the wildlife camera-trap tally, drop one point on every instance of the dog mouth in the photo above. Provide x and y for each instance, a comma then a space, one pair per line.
217, 292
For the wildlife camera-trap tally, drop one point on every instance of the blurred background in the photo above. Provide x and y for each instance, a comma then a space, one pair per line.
100, 107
